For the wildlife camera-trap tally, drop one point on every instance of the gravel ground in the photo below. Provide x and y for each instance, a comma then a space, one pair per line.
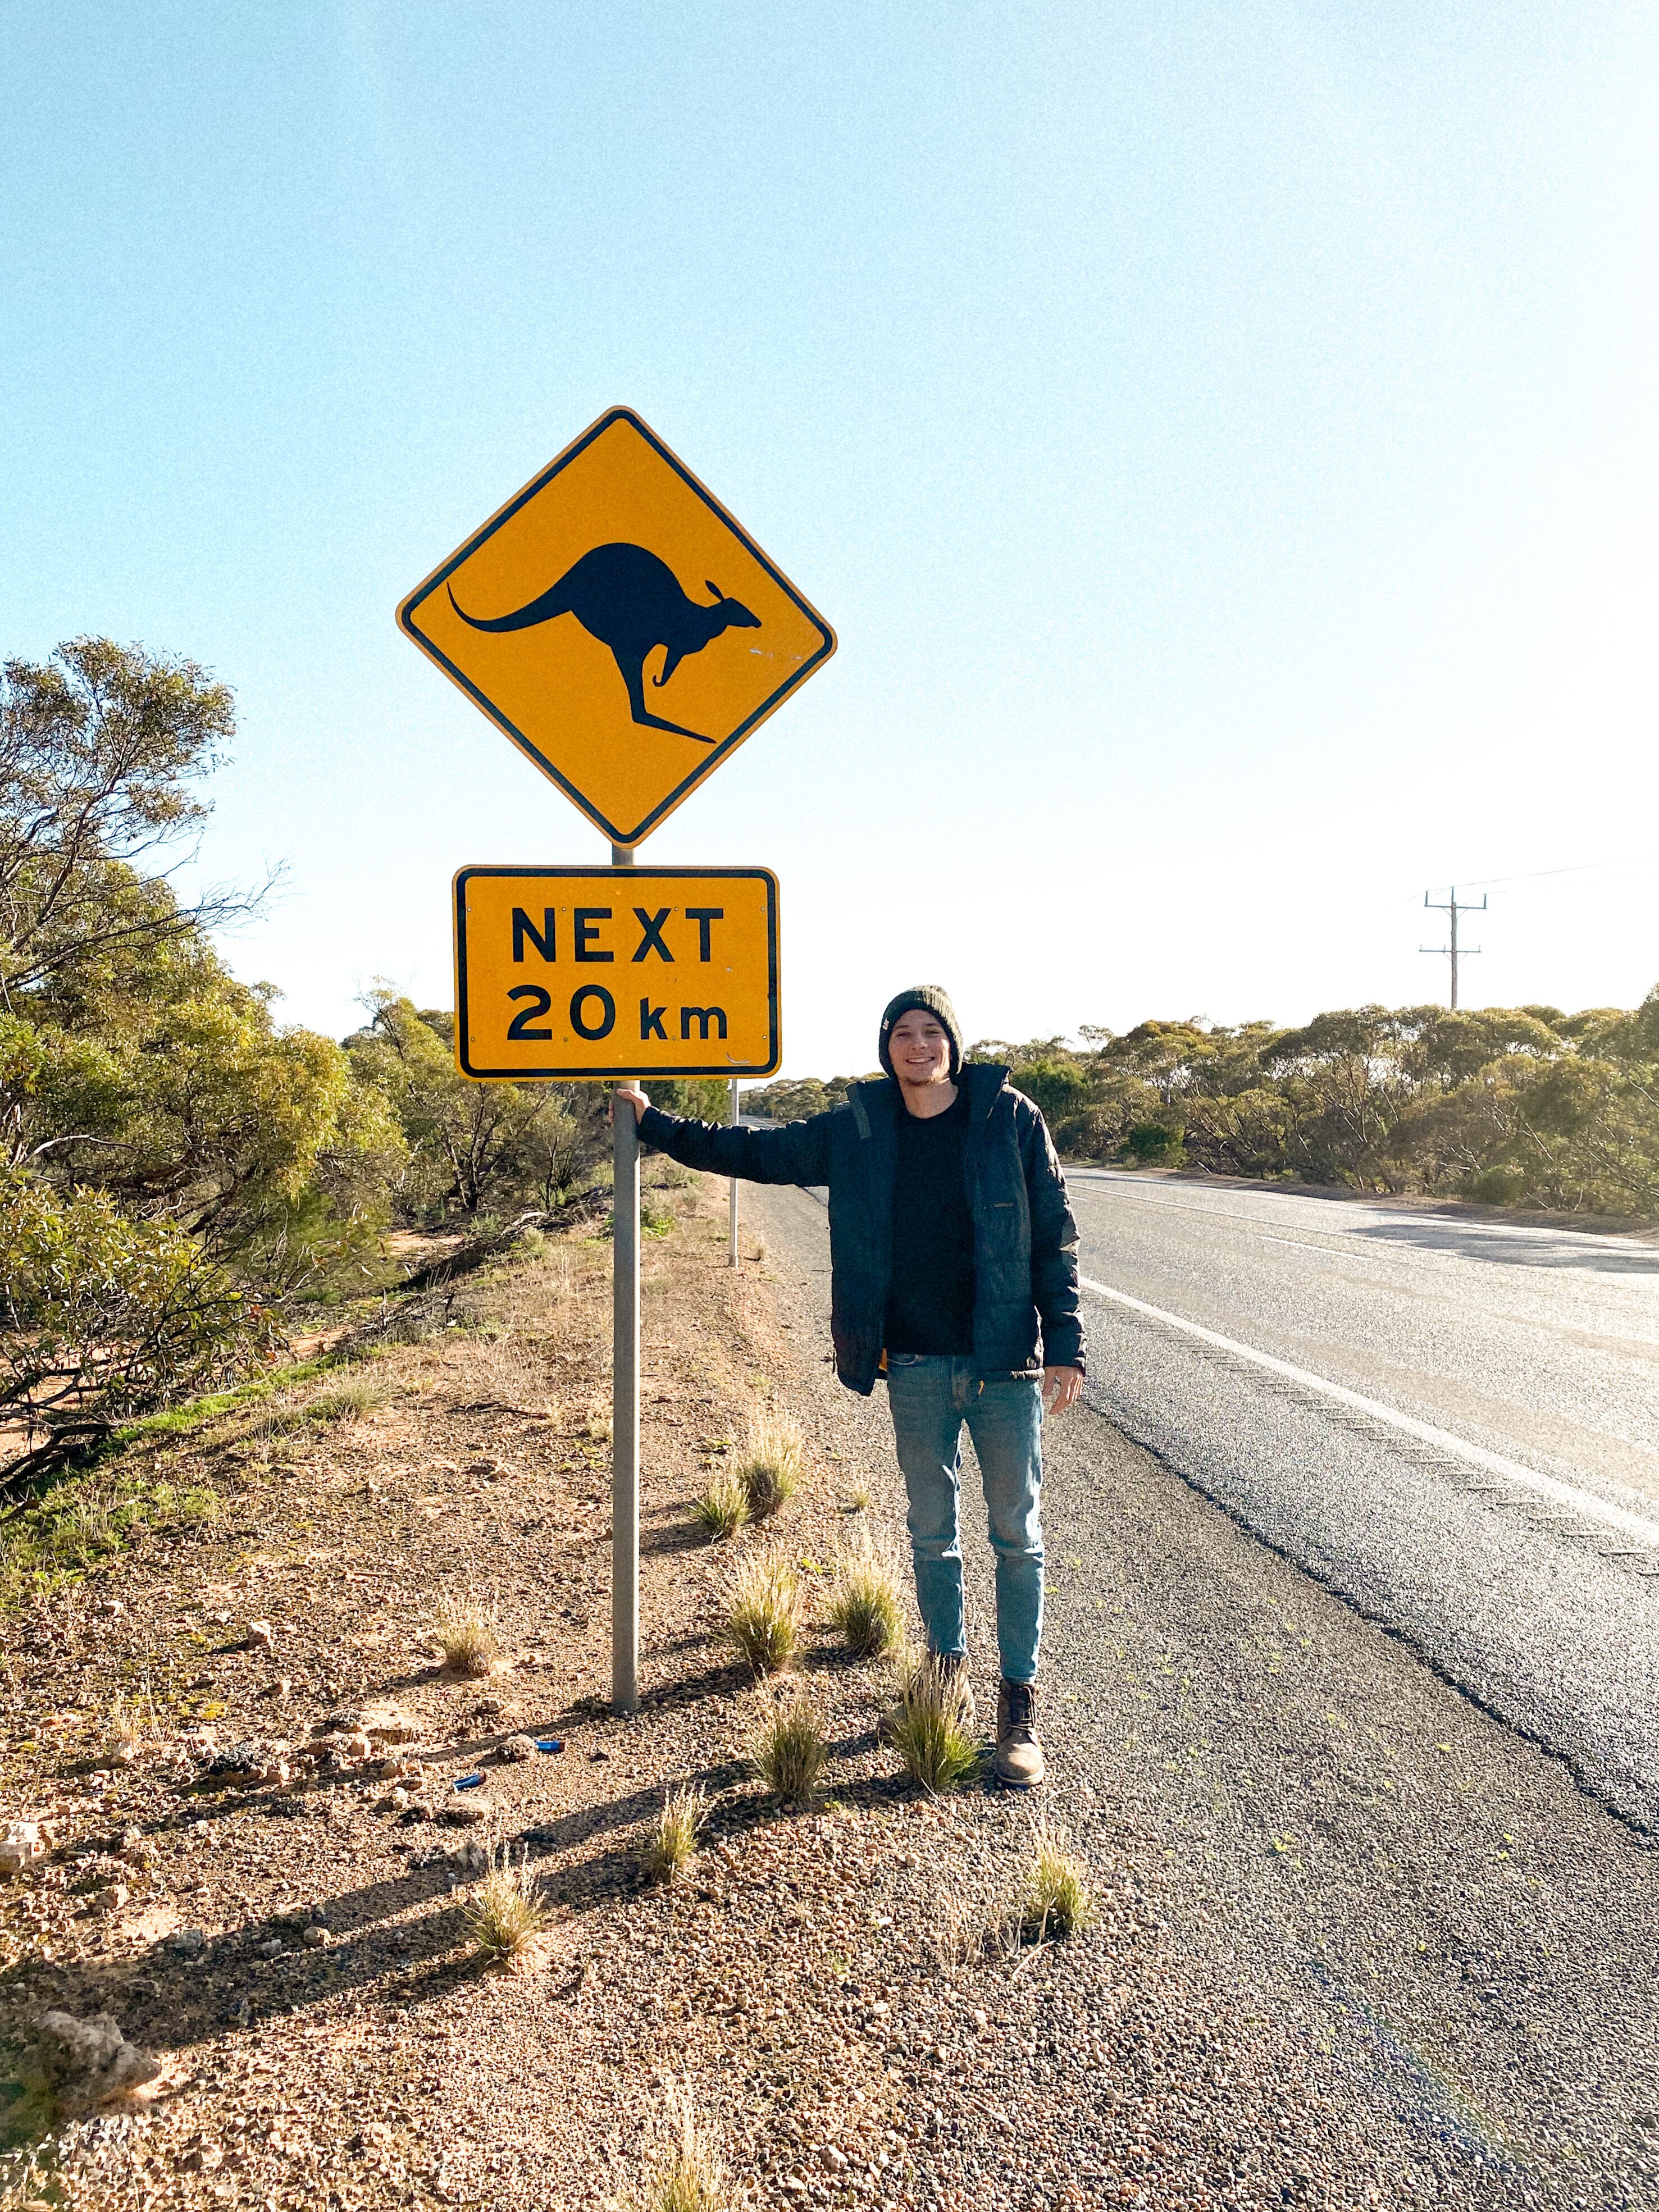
1458, 1940
820, 1985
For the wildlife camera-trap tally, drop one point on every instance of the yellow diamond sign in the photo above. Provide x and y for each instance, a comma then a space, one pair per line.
619, 625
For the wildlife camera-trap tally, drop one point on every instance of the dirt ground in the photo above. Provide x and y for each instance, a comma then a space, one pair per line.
245, 1751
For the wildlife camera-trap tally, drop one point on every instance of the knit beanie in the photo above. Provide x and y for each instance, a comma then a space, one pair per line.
935, 1000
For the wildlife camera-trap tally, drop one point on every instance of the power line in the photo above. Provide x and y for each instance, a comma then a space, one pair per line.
1455, 951
1579, 868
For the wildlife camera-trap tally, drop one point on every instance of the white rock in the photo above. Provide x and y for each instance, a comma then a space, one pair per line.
262, 1635
518, 1748
21, 1845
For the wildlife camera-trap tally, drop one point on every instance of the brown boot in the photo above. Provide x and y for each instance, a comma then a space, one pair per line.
1018, 1763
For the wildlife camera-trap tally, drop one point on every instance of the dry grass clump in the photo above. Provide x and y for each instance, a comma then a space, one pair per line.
506, 1911
467, 1636
787, 1750
770, 1467
763, 1607
723, 1506
865, 1605
689, 2175
927, 1725
1059, 1894
131, 1729
669, 1848
348, 1400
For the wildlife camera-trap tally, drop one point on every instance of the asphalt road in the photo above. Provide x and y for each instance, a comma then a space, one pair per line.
1268, 1609
1454, 1423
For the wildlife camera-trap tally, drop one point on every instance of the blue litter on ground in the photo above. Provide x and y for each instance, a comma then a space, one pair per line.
550, 1743
469, 1781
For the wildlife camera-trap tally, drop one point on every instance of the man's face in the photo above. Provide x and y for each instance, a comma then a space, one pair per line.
919, 1048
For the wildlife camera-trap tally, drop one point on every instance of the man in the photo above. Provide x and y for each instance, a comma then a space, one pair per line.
953, 1254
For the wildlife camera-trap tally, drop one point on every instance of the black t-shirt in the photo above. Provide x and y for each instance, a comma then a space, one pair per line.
930, 1299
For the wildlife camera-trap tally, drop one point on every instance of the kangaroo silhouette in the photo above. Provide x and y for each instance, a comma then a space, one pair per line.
631, 601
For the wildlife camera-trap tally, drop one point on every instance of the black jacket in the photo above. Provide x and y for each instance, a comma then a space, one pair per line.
1024, 1237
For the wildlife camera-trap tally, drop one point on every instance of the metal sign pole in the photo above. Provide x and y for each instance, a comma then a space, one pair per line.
734, 1180
625, 1398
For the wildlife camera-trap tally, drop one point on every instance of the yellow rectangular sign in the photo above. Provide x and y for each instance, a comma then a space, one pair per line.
569, 972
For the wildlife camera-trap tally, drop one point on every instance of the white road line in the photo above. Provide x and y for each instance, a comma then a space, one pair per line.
1581, 1502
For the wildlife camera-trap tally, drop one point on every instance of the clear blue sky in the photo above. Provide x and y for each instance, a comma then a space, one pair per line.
1223, 437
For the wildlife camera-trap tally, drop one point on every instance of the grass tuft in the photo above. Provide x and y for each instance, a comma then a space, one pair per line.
927, 1726
672, 1842
689, 2175
132, 1727
723, 1508
348, 1400
506, 1911
770, 1467
764, 1601
1059, 1896
467, 1636
787, 1750
865, 1606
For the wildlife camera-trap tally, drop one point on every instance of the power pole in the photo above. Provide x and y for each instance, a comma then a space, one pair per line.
1455, 951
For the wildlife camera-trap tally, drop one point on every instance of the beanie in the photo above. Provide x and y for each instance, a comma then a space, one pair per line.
935, 1000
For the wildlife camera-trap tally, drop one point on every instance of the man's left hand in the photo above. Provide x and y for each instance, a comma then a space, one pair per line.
1063, 1387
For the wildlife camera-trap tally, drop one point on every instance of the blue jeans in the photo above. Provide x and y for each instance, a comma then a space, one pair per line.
931, 1398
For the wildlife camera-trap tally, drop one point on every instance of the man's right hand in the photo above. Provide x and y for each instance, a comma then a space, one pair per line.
636, 1098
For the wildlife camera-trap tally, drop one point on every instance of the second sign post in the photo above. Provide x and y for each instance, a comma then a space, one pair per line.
578, 606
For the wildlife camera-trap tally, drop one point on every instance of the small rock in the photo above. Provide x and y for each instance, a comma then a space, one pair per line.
114, 1897
467, 1812
278, 1687
97, 2051
518, 1748
251, 1761
472, 1856
21, 1844
188, 1943
391, 1727
272, 1948
261, 1636
316, 1937
489, 1709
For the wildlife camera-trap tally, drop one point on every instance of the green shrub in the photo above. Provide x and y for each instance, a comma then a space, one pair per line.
103, 1317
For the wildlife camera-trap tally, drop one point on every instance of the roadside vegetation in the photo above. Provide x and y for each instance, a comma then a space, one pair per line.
185, 1180
927, 1724
1523, 1106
